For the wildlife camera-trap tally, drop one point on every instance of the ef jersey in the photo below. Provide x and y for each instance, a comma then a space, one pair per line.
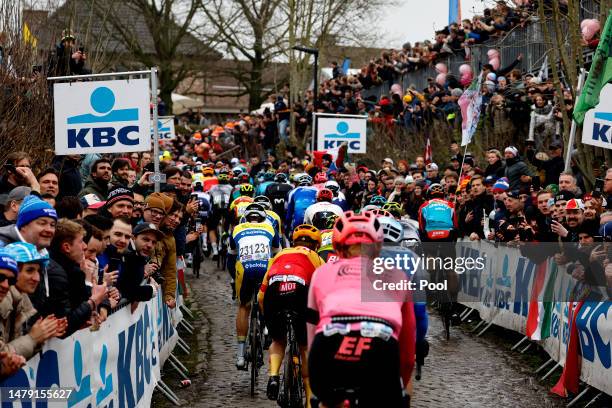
253, 244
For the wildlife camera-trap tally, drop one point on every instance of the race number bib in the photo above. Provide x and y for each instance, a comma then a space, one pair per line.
254, 248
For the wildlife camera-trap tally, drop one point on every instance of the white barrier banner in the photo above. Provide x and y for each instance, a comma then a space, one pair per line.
102, 116
502, 295
117, 366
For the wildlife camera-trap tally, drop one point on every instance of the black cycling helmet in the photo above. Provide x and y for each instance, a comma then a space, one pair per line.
280, 178
255, 212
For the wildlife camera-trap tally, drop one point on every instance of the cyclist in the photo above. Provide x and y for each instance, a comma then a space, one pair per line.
285, 288
339, 197
326, 250
239, 205
252, 244
205, 210
318, 213
278, 192
220, 194
266, 179
300, 198
378, 201
243, 178
208, 179
271, 216
364, 346
437, 225
393, 234
394, 208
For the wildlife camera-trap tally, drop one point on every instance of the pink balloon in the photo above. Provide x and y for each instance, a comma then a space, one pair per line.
441, 68
520, 3
495, 63
589, 27
465, 68
396, 89
492, 53
441, 79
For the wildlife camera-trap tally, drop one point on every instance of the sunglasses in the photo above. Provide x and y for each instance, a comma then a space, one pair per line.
11, 281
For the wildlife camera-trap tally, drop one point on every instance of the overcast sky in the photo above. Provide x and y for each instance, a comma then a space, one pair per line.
416, 20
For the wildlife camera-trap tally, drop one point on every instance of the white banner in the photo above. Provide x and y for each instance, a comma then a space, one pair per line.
501, 295
102, 116
117, 366
332, 131
596, 129
165, 128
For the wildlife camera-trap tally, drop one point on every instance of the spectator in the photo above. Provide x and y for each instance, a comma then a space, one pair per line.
477, 207
49, 182
17, 172
517, 172
70, 297
552, 167
568, 182
157, 206
10, 362
120, 203
138, 268
120, 169
99, 179
432, 173
19, 331
91, 204
11, 204
69, 174
69, 207
496, 165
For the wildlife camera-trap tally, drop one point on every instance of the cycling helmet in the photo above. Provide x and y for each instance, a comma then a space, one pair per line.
436, 190
269, 175
237, 171
244, 178
325, 195
306, 231
320, 177
223, 178
24, 252
224, 170
330, 221
393, 207
380, 213
208, 171
393, 231
304, 180
247, 190
264, 201
378, 200
353, 228
255, 210
280, 178
333, 186
370, 207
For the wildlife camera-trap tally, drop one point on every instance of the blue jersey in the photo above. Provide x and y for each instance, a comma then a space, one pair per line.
261, 188
298, 201
418, 297
437, 219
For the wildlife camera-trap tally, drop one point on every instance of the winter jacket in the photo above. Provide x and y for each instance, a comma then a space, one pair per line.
8, 235
130, 280
497, 169
95, 186
165, 257
68, 293
480, 206
16, 310
70, 177
515, 169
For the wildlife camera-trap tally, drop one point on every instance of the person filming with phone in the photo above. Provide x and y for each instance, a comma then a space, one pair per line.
17, 171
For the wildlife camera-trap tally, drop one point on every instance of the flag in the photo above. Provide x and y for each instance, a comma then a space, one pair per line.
346, 65
570, 377
541, 302
543, 74
470, 103
454, 11
599, 75
28, 37
428, 154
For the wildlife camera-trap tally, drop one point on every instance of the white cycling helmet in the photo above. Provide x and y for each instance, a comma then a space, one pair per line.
393, 231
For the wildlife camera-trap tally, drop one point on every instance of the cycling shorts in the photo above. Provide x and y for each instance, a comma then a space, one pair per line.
213, 221
280, 297
367, 365
249, 277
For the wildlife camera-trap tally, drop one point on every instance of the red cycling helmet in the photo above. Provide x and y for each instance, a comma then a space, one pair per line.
325, 194
351, 228
320, 177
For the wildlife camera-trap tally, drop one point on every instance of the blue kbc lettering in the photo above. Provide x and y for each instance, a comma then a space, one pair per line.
162, 131
601, 131
102, 101
343, 135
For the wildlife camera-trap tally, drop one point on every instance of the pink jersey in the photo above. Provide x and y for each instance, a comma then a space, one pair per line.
336, 290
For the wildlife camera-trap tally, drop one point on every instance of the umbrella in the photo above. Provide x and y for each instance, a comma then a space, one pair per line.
180, 103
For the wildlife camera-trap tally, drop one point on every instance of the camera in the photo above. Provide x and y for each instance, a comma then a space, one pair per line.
598, 187
157, 178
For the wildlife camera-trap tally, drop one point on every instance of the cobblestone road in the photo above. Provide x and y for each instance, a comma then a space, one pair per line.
465, 371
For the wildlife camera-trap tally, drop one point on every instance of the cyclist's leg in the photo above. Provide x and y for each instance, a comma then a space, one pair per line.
275, 322
244, 288
213, 222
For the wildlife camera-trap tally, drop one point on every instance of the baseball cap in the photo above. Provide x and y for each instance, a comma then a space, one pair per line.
574, 204
388, 160
147, 227
92, 201
514, 194
432, 166
564, 195
409, 179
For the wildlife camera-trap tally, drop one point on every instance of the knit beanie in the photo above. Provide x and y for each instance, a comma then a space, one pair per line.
8, 262
33, 208
501, 185
159, 201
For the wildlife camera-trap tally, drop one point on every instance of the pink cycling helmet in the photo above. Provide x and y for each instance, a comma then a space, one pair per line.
351, 229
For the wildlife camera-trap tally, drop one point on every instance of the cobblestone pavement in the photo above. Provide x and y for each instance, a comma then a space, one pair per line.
465, 371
